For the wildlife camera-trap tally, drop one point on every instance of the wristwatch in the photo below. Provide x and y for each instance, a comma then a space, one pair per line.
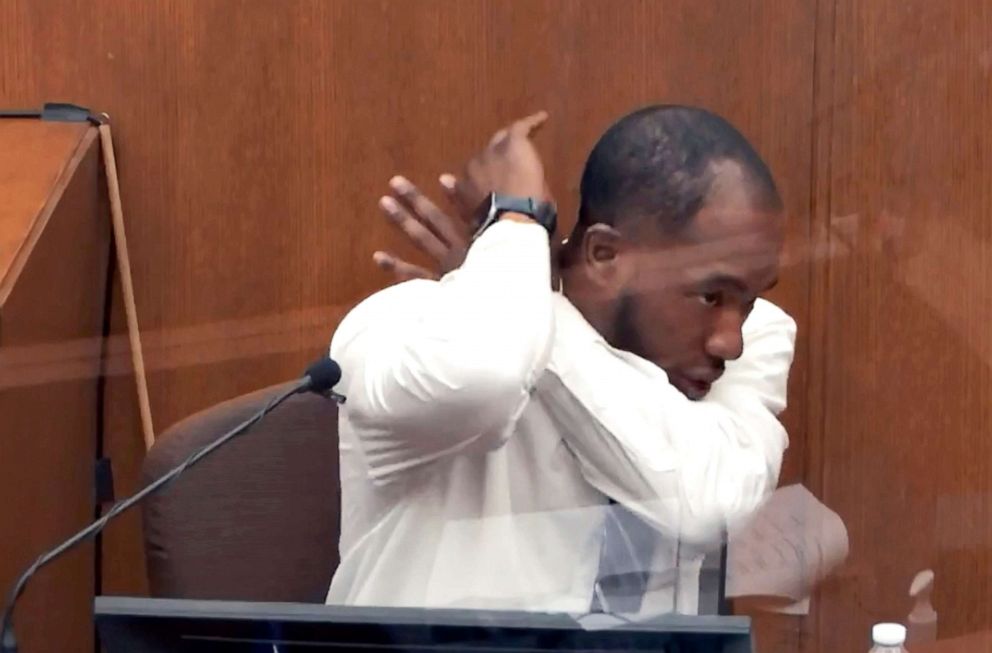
496, 204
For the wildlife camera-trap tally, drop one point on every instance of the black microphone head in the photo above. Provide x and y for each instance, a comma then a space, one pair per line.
324, 374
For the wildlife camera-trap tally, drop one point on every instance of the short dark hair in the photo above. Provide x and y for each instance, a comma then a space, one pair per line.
656, 163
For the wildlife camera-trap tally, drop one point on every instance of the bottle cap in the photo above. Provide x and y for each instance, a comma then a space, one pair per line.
889, 634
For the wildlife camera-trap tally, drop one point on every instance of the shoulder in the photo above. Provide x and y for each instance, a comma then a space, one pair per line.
385, 309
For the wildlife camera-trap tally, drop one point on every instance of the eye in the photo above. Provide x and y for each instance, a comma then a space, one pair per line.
709, 298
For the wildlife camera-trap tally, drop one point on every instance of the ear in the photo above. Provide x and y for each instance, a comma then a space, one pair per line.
602, 252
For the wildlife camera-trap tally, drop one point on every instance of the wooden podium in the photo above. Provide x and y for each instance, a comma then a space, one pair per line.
55, 235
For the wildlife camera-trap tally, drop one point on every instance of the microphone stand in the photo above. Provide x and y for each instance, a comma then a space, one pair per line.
8, 642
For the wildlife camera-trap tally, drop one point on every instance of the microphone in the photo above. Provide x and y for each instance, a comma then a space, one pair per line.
320, 377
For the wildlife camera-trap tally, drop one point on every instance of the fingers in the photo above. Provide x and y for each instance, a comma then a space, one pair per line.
426, 212
421, 236
448, 182
459, 194
400, 269
471, 188
529, 125
525, 127
499, 136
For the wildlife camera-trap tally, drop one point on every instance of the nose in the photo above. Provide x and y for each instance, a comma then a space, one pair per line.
726, 342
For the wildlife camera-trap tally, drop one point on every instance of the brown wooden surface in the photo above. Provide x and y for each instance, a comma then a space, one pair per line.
903, 451
30, 168
48, 428
254, 138
973, 643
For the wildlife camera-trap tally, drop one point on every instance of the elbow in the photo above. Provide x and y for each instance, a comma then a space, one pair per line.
709, 527
707, 516
725, 495
724, 486
416, 400
443, 408
412, 422
695, 513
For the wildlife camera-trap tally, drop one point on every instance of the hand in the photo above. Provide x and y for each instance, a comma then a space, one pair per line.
509, 164
433, 232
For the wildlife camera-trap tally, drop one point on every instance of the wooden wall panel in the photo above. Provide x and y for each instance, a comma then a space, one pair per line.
49, 426
255, 136
903, 446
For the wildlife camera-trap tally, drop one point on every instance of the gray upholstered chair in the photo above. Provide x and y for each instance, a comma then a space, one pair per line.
256, 520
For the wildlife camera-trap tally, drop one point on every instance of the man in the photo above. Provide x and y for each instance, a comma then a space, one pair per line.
492, 421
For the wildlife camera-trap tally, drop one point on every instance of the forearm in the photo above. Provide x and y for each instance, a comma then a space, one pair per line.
688, 467
427, 376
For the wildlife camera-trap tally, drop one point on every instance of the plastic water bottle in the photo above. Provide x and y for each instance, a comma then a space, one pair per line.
888, 638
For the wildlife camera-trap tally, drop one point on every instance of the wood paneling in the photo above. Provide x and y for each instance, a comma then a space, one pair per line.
975, 643
255, 136
902, 447
48, 428
30, 170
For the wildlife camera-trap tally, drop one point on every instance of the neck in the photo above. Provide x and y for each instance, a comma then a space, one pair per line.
583, 296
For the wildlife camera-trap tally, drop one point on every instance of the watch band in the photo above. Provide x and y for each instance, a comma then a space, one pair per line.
496, 204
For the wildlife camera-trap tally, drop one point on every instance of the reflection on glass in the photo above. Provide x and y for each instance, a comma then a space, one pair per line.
574, 428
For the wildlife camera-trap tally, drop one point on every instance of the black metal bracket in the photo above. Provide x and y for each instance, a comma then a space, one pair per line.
104, 481
57, 112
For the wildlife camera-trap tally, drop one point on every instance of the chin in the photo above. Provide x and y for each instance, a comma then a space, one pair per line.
693, 395
693, 390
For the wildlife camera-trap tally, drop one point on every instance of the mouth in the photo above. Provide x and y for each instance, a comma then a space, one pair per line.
697, 386
695, 389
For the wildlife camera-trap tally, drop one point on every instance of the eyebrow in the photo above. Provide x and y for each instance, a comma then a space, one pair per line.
725, 280
735, 283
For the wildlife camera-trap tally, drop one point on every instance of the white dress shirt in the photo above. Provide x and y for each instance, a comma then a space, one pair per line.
488, 426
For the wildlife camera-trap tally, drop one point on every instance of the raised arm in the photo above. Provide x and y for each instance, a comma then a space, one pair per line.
431, 368
690, 468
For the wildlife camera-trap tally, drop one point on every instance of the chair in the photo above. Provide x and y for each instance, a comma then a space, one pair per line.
257, 520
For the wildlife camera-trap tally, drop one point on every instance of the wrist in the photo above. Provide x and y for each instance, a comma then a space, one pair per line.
536, 194
511, 216
499, 207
